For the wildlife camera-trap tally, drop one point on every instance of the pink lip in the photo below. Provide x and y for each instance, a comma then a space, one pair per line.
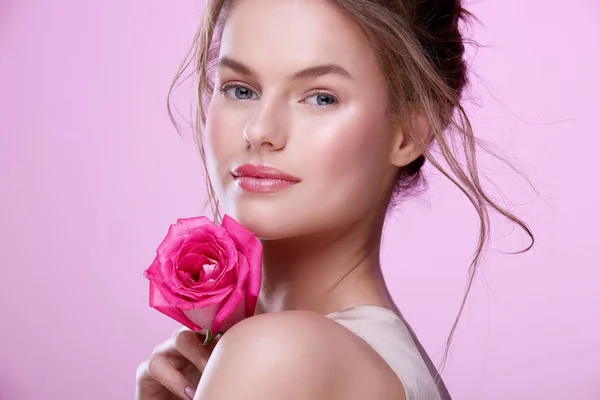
262, 179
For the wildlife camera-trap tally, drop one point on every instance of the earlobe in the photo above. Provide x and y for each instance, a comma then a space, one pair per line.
410, 140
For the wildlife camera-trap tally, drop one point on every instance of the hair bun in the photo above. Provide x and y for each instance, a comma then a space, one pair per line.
437, 16
436, 26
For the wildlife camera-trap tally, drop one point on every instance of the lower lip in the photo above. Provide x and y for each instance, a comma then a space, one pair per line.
263, 185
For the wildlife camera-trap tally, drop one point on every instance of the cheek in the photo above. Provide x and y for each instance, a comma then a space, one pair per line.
215, 131
355, 151
222, 138
222, 134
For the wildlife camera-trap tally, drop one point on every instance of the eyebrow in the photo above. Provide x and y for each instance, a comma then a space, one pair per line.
310, 72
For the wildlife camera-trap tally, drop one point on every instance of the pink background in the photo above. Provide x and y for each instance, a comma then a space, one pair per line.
92, 173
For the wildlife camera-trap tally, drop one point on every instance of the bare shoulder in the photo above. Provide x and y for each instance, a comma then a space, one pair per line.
295, 355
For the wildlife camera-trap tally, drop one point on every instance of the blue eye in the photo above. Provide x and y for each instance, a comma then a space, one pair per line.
238, 92
321, 100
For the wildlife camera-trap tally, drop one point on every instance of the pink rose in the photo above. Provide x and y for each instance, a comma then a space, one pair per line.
206, 276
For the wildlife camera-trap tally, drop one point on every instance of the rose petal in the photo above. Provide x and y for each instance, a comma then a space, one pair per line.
193, 223
191, 262
180, 233
236, 316
171, 280
158, 301
199, 266
230, 255
153, 270
219, 238
207, 299
230, 312
197, 274
187, 300
207, 249
201, 236
195, 263
172, 242
161, 273
212, 231
226, 251
225, 257
202, 316
248, 245
241, 284
207, 286
226, 278
176, 293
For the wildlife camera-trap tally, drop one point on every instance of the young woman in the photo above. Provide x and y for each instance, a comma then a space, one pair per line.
314, 118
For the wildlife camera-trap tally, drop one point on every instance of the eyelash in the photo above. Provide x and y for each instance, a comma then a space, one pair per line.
225, 87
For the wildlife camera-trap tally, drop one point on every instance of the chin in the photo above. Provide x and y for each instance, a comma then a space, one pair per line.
268, 221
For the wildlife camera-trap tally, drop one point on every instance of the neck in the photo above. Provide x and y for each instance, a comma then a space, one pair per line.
323, 272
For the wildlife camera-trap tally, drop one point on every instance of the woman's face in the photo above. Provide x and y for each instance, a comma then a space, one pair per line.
298, 89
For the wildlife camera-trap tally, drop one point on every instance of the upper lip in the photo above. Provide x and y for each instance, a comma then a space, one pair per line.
262, 172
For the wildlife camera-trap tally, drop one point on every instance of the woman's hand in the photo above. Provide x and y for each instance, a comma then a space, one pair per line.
173, 370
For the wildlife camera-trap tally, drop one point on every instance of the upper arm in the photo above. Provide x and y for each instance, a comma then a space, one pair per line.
294, 355
271, 356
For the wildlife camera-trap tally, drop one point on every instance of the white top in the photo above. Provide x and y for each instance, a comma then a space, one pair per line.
389, 336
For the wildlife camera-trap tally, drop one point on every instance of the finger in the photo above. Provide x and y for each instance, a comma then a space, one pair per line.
180, 329
189, 344
167, 349
164, 373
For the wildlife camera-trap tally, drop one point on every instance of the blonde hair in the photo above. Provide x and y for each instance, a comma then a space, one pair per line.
420, 49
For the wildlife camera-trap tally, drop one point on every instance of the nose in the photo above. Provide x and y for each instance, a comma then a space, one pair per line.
266, 127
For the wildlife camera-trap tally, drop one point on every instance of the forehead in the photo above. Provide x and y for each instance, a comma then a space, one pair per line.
290, 34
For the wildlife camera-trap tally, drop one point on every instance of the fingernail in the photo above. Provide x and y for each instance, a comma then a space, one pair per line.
189, 392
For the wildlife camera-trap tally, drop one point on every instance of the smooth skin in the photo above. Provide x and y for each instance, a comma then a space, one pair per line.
290, 354
298, 88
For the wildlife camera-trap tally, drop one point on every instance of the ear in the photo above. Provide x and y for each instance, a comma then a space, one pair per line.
409, 139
